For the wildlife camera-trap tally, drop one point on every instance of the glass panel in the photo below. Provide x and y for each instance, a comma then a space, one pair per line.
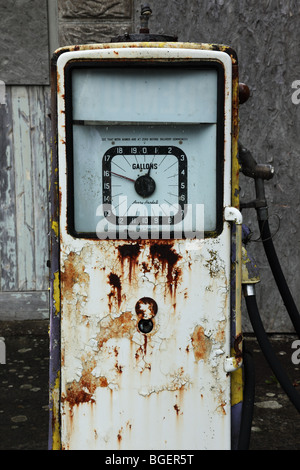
157, 95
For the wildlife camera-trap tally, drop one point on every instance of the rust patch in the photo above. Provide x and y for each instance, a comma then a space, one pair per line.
222, 407
115, 283
146, 308
201, 343
120, 327
73, 274
119, 436
118, 368
213, 264
168, 258
130, 252
238, 344
220, 335
145, 268
83, 390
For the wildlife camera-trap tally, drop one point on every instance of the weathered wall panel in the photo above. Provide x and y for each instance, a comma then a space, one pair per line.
24, 56
95, 9
23, 186
265, 36
93, 21
25, 155
7, 195
90, 32
24, 305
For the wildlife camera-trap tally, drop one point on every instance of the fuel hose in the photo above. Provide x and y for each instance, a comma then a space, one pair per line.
260, 173
278, 274
266, 347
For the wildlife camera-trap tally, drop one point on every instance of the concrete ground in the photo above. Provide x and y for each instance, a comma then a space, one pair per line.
24, 392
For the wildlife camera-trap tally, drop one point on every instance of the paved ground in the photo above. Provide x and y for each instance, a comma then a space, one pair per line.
24, 392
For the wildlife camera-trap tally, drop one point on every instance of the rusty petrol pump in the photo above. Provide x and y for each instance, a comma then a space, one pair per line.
146, 340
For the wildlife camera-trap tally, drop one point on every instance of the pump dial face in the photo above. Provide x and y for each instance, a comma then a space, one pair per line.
149, 182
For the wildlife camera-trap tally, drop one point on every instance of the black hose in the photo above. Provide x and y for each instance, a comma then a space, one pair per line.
278, 275
268, 351
248, 401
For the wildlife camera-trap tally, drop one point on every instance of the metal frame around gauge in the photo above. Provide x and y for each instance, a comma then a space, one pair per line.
202, 64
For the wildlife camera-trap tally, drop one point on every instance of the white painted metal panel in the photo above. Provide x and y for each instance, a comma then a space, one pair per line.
120, 388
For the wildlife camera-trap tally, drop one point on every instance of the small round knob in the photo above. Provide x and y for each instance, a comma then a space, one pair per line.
145, 326
145, 186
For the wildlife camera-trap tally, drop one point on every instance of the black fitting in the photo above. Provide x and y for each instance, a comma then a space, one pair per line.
146, 12
251, 168
144, 35
259, 172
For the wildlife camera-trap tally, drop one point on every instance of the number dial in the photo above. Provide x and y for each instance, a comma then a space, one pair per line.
150, 181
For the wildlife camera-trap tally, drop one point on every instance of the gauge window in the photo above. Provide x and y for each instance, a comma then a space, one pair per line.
146, 181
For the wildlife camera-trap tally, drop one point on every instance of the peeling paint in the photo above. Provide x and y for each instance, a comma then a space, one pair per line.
82, 391
201, 344
121, 327
73, 273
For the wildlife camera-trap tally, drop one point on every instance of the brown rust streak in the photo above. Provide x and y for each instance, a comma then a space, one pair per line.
115, 282
221, 408
121, 327
167, 256
220, 334
73, 274
213, 264
83, 390
238, 342
201, 343
130, 252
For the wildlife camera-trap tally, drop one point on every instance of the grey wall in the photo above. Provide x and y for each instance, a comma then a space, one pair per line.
265, 35
24, 54
24, 157
92, 21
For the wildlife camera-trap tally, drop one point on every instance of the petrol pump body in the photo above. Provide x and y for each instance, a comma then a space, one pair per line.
147, 291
